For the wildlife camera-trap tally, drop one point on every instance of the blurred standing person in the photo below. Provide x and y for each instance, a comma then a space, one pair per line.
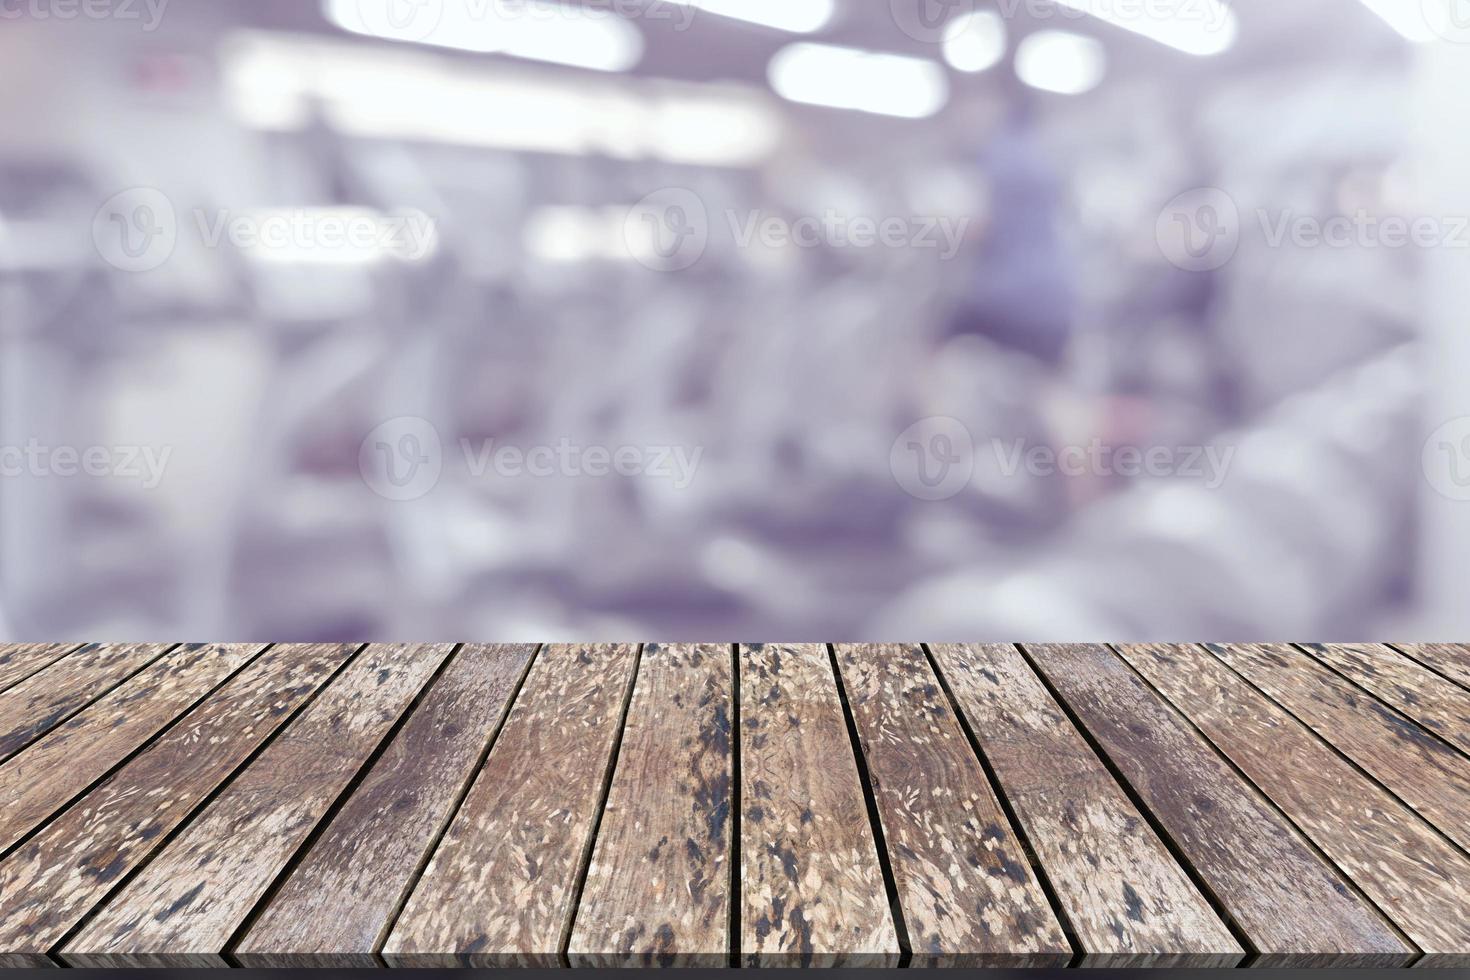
1021, 293
1000, 352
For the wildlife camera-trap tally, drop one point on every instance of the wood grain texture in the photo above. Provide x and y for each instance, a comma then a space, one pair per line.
812, 890
1128, 901
1420, 880
658, 889
20, 660
1424, 772
968, 893
335, 908
1299, 914
499, 891
68, 869
41, 779
191, 898
44, 700
1439, 705
1450, 659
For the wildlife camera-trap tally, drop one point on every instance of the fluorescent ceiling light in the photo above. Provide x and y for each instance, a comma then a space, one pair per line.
277, 82
864, 81
1058, 61
1406, 17
975, 41
1199, 27
796, 16
540, 30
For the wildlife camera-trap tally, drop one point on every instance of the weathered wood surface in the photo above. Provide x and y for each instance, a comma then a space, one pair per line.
1301, 912
1420, 880
976, 805
336, 907
658, 889
191, 899
812, 889
1424, 772
1126, 898
61, 874
500, 889
1450, 659
969, 895
44, 700
41, 779
19, 661
1439, 705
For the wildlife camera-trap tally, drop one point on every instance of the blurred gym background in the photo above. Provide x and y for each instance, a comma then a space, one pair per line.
192, 435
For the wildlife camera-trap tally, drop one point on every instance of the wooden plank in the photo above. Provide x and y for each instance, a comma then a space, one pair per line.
335, 908
1295, 909
658, 890
1420, 880
812, 891
1439, 705
46, 776
1424, 772
20, 660
500, 890
1450, 659
57, 877
1126, 898
184, 907
38, 704
968, 894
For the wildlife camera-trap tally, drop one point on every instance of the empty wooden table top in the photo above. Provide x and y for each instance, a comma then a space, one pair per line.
713, 805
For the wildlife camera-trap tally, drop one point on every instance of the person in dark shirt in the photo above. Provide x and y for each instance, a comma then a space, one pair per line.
1021, 293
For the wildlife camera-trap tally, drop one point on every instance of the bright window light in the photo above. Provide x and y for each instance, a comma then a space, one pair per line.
1199, 27
1405, 17
540, 30
1062, 62
796, 16
975, 41
864, 81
